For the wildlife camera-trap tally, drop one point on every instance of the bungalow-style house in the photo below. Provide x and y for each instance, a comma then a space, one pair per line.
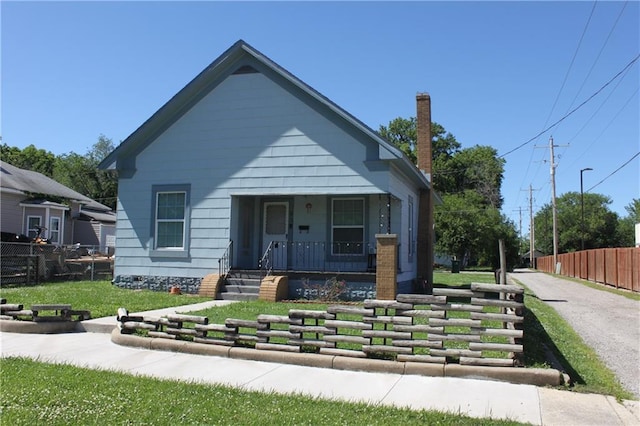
31, 200
249, 166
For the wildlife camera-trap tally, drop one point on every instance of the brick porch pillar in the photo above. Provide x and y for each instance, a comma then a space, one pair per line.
386, 266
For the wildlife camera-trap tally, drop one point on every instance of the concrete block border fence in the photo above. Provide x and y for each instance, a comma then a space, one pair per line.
413, 330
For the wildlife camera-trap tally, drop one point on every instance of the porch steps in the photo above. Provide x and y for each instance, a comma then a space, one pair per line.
240, 285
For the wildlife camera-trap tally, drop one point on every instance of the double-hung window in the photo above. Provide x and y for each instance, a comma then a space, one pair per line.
33, 223
171, 219
347, 226
54, 230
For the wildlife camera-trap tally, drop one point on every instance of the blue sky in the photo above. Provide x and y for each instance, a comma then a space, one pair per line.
498, 73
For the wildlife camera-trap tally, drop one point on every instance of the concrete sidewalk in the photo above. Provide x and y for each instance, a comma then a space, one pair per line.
476, 398
107, 324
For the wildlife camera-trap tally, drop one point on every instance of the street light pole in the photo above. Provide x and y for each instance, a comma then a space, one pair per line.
582, 207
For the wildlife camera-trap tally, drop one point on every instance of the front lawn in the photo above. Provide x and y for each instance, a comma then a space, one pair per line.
543, 326
101, 298
37, 393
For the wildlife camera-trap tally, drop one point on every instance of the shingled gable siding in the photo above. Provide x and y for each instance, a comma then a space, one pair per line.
248, 136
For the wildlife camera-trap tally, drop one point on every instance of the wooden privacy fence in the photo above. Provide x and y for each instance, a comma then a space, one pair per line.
477, 325
618, 267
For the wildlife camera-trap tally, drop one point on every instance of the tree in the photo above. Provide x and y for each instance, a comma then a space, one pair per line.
477, 168
29, 158
468, 224
626, 225
81, 173
600, 224
401, 132
469, 230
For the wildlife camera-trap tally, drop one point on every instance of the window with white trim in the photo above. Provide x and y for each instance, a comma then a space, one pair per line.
170, 220
54, 230
33, 223
347, 226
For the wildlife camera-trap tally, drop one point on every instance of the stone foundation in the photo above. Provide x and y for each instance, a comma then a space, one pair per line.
187, 285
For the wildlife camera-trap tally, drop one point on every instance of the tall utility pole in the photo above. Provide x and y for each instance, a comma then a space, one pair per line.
519, 210
553, 203
532, 230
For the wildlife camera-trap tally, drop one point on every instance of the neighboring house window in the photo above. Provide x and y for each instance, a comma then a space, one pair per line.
54, 230
411, 239
171, 218
347, 226
33, 222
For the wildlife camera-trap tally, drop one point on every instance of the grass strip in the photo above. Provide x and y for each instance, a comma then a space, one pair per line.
39, 393
101, 298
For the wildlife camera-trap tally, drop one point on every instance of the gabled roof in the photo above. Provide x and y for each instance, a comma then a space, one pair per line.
238, 56
23, 181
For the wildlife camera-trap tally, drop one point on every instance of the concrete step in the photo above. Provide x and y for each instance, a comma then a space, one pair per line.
248, 289
251, 282
245, 274
238, 296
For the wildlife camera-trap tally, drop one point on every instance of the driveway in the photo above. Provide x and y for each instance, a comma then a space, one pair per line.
608, 323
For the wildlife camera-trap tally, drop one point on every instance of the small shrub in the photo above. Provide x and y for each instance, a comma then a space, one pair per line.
329, 291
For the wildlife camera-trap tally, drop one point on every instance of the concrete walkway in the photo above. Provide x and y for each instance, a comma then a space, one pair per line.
476, 398
608, 323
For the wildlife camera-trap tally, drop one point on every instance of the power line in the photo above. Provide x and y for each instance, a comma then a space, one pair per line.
605, 127
573, 110
614, 172
615, 24
584, 31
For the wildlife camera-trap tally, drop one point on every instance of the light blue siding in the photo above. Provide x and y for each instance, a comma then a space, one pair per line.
248, 136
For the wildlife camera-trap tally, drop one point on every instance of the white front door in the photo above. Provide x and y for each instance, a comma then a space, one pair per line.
275, 228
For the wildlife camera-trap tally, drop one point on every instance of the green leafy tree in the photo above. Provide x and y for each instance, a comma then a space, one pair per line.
401, 132
477, 168
468, 224
470, 230
600, 223
81, 173
29, 158
626, 225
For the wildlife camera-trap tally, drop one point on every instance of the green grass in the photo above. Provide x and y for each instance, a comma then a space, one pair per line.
543, 326
101, 298
38, 393
456, 280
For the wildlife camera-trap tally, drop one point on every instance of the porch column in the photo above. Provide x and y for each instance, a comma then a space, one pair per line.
386, 266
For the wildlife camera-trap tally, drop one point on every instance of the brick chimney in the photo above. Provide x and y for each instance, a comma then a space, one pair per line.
425, 240
423, 132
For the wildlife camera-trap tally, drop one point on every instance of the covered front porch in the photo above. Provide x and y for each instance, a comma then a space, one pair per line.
309, 233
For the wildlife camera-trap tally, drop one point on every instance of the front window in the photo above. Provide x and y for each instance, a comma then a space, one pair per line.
347, 226
33, 225
170, 219
54, 230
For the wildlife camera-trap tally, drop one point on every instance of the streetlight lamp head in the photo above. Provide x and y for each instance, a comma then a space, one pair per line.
584, 170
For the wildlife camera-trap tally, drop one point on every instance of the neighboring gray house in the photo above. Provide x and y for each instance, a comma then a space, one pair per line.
246, 160
30, 199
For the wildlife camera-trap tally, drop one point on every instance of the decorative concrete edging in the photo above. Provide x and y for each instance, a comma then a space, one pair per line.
532, 376
33, 322
31, 327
